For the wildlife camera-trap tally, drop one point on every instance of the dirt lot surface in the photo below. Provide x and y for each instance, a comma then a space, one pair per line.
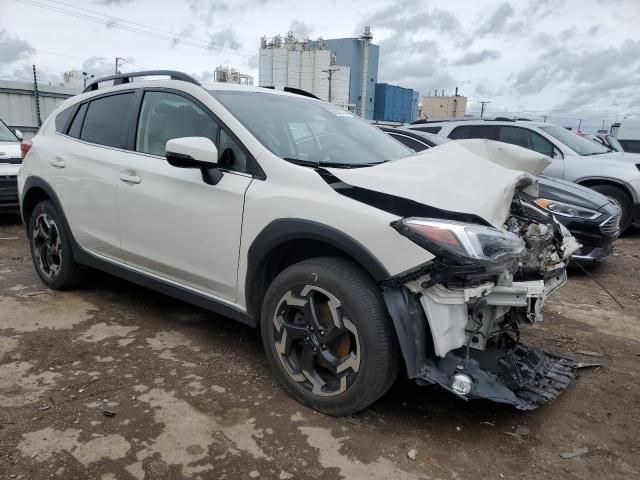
113, 381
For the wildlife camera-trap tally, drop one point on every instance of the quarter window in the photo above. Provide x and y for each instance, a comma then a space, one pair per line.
62, 118
76, 124
106, 120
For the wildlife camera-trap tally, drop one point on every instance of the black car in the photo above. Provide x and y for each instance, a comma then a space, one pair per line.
591, 217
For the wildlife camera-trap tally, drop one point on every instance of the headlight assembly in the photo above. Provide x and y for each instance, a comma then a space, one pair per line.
566, 209
459, 239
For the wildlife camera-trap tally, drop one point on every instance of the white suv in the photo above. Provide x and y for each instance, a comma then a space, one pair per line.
613, 174
346, 249
10, 161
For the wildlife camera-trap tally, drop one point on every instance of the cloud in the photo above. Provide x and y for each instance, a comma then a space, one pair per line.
207, 10
98, 66
498, 21
224, 38
402, 17
301, 29
13, 48
110, 3
473, 58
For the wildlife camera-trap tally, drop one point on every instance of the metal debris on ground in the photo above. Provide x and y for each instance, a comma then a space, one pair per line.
588, 353
412, 454
108, 413
575, 453
588, 365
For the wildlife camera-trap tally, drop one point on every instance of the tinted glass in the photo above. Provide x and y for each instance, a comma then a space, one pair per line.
580, 145
165, 116
429, 129
525, 138
76, 125
631, 146
62, 117
474, 131
300, 129
106, 120
410, 142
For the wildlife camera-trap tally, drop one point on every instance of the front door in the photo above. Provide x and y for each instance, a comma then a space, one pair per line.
173, 224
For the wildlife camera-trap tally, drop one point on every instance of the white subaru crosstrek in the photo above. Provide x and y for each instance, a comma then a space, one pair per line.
349, 252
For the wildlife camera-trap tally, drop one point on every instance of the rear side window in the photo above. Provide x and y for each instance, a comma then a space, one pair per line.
106, 120
429, 129
76, 124
631, 146
414, 145
62, 118
526, 138
474, 131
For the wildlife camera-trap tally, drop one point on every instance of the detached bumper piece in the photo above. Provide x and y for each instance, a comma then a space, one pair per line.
520, 376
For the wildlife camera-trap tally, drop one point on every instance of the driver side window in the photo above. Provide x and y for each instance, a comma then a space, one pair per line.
526, 138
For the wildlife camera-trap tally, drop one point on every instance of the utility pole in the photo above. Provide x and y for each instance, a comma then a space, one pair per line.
579, 123
330, 71
544, 118
483, 103
118, 59
35, 91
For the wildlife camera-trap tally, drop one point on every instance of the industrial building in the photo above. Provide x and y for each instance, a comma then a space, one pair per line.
224, 74
350, 63
395, 104
24, 107
304, 64
443, 106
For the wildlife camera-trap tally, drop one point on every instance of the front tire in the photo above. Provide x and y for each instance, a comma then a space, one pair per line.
50, 246
619, 197
327, 336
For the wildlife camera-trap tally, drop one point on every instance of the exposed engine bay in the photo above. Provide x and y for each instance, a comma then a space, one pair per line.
475, 314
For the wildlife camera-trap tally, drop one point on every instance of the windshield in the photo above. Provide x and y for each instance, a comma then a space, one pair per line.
580, 145
6, 135
310, 132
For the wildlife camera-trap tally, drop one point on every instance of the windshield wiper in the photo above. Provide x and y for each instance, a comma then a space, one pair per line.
311, 163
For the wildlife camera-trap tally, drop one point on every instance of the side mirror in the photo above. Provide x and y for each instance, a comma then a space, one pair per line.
557, 154
18, 134
195, 152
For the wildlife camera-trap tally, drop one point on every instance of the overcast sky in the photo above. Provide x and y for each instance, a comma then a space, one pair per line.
566, 58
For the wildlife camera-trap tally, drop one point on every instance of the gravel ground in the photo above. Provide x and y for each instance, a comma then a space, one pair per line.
112, 381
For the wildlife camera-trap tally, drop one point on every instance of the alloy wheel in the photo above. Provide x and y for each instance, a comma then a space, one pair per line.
315, 341
47, 245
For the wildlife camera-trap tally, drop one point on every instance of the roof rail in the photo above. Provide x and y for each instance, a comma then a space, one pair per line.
296, 91
122, 78
501, 119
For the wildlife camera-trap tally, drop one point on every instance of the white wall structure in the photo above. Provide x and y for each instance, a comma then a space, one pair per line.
305, 65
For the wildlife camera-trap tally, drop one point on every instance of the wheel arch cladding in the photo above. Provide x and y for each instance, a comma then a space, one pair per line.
37, 190
592, 182
287, 241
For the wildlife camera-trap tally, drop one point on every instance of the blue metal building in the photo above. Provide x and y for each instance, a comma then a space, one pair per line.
350, 51
395, 104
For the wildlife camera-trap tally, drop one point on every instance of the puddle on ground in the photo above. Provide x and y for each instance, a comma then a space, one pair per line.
330, 457
188, 434
53, 311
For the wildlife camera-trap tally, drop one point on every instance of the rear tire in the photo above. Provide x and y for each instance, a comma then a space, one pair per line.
622, 199
50, 246
327, 335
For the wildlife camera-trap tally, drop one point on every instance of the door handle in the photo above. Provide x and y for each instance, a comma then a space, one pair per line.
127, 177
58, 163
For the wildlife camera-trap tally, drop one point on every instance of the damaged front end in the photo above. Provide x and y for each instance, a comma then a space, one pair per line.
458, 317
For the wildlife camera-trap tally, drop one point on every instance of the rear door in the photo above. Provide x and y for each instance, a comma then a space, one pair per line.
531, 140
172, 223
85, 170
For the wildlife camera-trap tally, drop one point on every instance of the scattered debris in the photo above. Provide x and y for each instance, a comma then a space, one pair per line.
9, 238
108, 413
44, 407
515, 435
412, 454
588, 353
491, 424
575, 453
588, 365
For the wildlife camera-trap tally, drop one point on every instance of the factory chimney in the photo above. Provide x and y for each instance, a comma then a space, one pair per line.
366, 38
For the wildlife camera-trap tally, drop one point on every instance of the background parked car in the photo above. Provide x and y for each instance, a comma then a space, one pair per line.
590, 216
10, 160
629, 135
614, 174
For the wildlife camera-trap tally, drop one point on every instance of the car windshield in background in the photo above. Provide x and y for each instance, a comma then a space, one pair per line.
310, 132
580, 145
6, 135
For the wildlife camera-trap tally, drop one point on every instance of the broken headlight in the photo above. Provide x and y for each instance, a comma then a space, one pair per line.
447, 237
566, 209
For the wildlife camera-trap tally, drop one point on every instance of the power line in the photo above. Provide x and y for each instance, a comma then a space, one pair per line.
114, 24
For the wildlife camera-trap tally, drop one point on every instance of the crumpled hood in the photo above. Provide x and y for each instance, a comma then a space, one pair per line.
467, 176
